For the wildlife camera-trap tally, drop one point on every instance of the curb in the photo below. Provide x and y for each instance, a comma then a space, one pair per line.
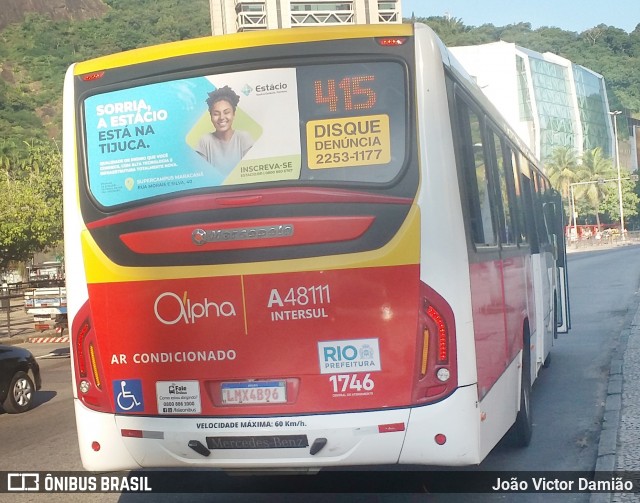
571, 249
16, 339
32, 336
606, 460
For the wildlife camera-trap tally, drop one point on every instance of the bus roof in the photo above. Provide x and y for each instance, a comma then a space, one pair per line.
240, 41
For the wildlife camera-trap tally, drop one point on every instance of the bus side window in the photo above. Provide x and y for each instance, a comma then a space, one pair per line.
476, 172
549, 218
528, 197
523, 237
505, 190
543, 231
554, 219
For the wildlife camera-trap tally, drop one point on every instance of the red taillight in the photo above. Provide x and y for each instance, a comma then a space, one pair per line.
80, 354
391, 41
436, 369
92, 76
443, 342
89, 380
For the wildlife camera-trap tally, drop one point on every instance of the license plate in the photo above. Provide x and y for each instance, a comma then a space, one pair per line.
254, 392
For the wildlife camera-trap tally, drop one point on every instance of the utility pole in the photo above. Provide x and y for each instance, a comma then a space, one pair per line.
614, 114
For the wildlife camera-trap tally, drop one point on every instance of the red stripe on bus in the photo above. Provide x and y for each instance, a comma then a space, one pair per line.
278, 197
306, 230
390, 428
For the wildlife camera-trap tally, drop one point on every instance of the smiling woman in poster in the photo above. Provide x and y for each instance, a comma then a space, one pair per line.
225, 146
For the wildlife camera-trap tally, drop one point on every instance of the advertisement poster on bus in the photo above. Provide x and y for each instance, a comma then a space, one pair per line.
185, 134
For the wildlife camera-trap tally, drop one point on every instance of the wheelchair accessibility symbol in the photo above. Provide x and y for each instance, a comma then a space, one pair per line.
128, 395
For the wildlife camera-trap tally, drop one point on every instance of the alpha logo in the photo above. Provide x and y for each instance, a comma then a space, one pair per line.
171, 309
201, 236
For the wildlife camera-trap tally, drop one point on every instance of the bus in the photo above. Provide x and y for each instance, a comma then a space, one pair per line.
304, 248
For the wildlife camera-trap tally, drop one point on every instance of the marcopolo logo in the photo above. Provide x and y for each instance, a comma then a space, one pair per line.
171, 309
360, 355
201, 236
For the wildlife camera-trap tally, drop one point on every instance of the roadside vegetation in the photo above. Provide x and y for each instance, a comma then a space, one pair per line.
35, 53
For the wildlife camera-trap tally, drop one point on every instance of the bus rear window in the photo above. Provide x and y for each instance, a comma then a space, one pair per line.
305, 124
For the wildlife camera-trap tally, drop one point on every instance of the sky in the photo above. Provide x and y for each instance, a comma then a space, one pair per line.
570, 15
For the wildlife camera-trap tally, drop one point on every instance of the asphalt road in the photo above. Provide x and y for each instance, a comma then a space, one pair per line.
568, 402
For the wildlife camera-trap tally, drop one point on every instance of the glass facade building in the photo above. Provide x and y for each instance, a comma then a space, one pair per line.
547, 99
552, 91
591, 95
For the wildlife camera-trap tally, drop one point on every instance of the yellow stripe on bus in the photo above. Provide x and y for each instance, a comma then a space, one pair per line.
403, 249
240, 41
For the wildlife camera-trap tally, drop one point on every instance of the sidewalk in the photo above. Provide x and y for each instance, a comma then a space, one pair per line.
619, 446
23, 330
593, 245
21, 326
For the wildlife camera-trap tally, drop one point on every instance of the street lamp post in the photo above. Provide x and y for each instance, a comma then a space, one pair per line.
573, 213
614, 114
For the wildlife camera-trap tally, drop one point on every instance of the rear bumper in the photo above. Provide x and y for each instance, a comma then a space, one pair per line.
354, 439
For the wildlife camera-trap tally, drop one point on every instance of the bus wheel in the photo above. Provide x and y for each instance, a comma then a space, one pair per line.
521, 431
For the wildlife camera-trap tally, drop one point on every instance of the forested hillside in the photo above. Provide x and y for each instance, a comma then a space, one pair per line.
35, 53
34, 56
39, 39
14, 11
607, 50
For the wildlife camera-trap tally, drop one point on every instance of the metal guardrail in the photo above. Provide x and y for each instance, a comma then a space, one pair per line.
13, 318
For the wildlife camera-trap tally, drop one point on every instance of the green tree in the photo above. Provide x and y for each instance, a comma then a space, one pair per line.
36, 53
31, 208
610, 204
561, 168
595, 167
449, 29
